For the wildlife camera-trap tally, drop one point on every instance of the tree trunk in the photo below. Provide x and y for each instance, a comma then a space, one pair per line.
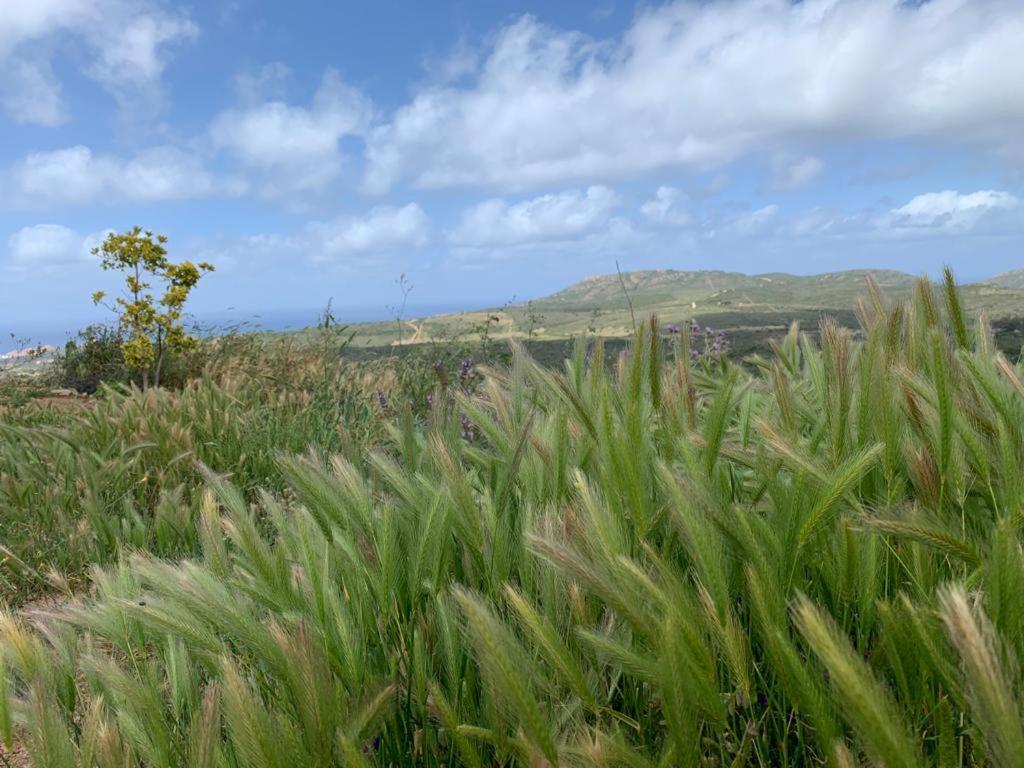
159, 356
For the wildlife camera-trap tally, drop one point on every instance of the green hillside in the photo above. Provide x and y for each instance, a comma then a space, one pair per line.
601, 305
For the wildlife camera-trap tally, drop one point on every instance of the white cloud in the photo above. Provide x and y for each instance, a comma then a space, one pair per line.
133, 56
292, 148
789, 174
48, 245
701, 84
666, 208
753, 223
265, 84
462, 61
27, 21
664, 227
951, 212
31, 94
78, 176
126, 44
383, 230
946, 215
548, 218
359, 241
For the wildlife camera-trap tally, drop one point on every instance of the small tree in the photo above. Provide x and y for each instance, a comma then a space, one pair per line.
152, 327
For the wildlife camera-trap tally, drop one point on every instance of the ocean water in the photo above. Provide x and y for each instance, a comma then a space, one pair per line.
17, 334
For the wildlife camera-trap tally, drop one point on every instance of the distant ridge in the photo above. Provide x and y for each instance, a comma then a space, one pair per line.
1012, 279
718, 286
598, 305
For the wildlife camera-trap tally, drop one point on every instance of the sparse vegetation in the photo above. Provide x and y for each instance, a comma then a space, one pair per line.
656, 559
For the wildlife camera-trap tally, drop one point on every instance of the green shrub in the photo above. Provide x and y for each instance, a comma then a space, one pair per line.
94, 358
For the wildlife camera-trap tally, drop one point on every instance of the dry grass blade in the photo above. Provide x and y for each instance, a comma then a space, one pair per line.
995, 709
866, 705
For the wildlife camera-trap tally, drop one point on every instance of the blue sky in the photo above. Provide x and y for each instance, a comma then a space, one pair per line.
491, 149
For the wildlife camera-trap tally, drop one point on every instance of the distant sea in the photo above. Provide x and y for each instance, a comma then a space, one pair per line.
20, 333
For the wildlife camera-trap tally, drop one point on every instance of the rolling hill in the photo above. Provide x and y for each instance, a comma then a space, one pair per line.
1013, 279
731, 300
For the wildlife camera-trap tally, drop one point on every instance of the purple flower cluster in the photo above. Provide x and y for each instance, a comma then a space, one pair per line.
705, 342
712, 343
467, 429
384, 402
464, 381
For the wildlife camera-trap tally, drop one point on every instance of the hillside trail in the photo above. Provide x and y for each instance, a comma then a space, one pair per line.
416, 338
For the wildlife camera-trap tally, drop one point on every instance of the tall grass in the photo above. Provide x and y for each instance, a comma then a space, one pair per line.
813, 562
78, 486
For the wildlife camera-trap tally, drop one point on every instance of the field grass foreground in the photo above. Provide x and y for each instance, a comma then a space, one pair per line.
816, 560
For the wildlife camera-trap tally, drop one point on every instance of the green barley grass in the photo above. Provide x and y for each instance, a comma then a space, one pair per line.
813, 559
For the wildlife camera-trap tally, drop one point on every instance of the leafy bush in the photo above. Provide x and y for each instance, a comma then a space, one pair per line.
94, 358
816, 562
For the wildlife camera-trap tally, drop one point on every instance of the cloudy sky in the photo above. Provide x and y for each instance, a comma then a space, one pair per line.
318, 149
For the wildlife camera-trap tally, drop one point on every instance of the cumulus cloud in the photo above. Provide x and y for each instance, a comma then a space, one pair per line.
789, 174
548, 218
293, 148
50, 245
268, 83
758, 222
462, 61
384, 229
127, 44
78, 176
947, 214
353, 240
950, 211
698, 85
667, 207
31, 94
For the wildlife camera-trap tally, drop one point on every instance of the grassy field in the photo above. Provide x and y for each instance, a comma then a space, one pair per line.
639, 556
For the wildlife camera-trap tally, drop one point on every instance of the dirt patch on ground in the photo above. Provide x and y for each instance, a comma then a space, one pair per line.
16, 756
